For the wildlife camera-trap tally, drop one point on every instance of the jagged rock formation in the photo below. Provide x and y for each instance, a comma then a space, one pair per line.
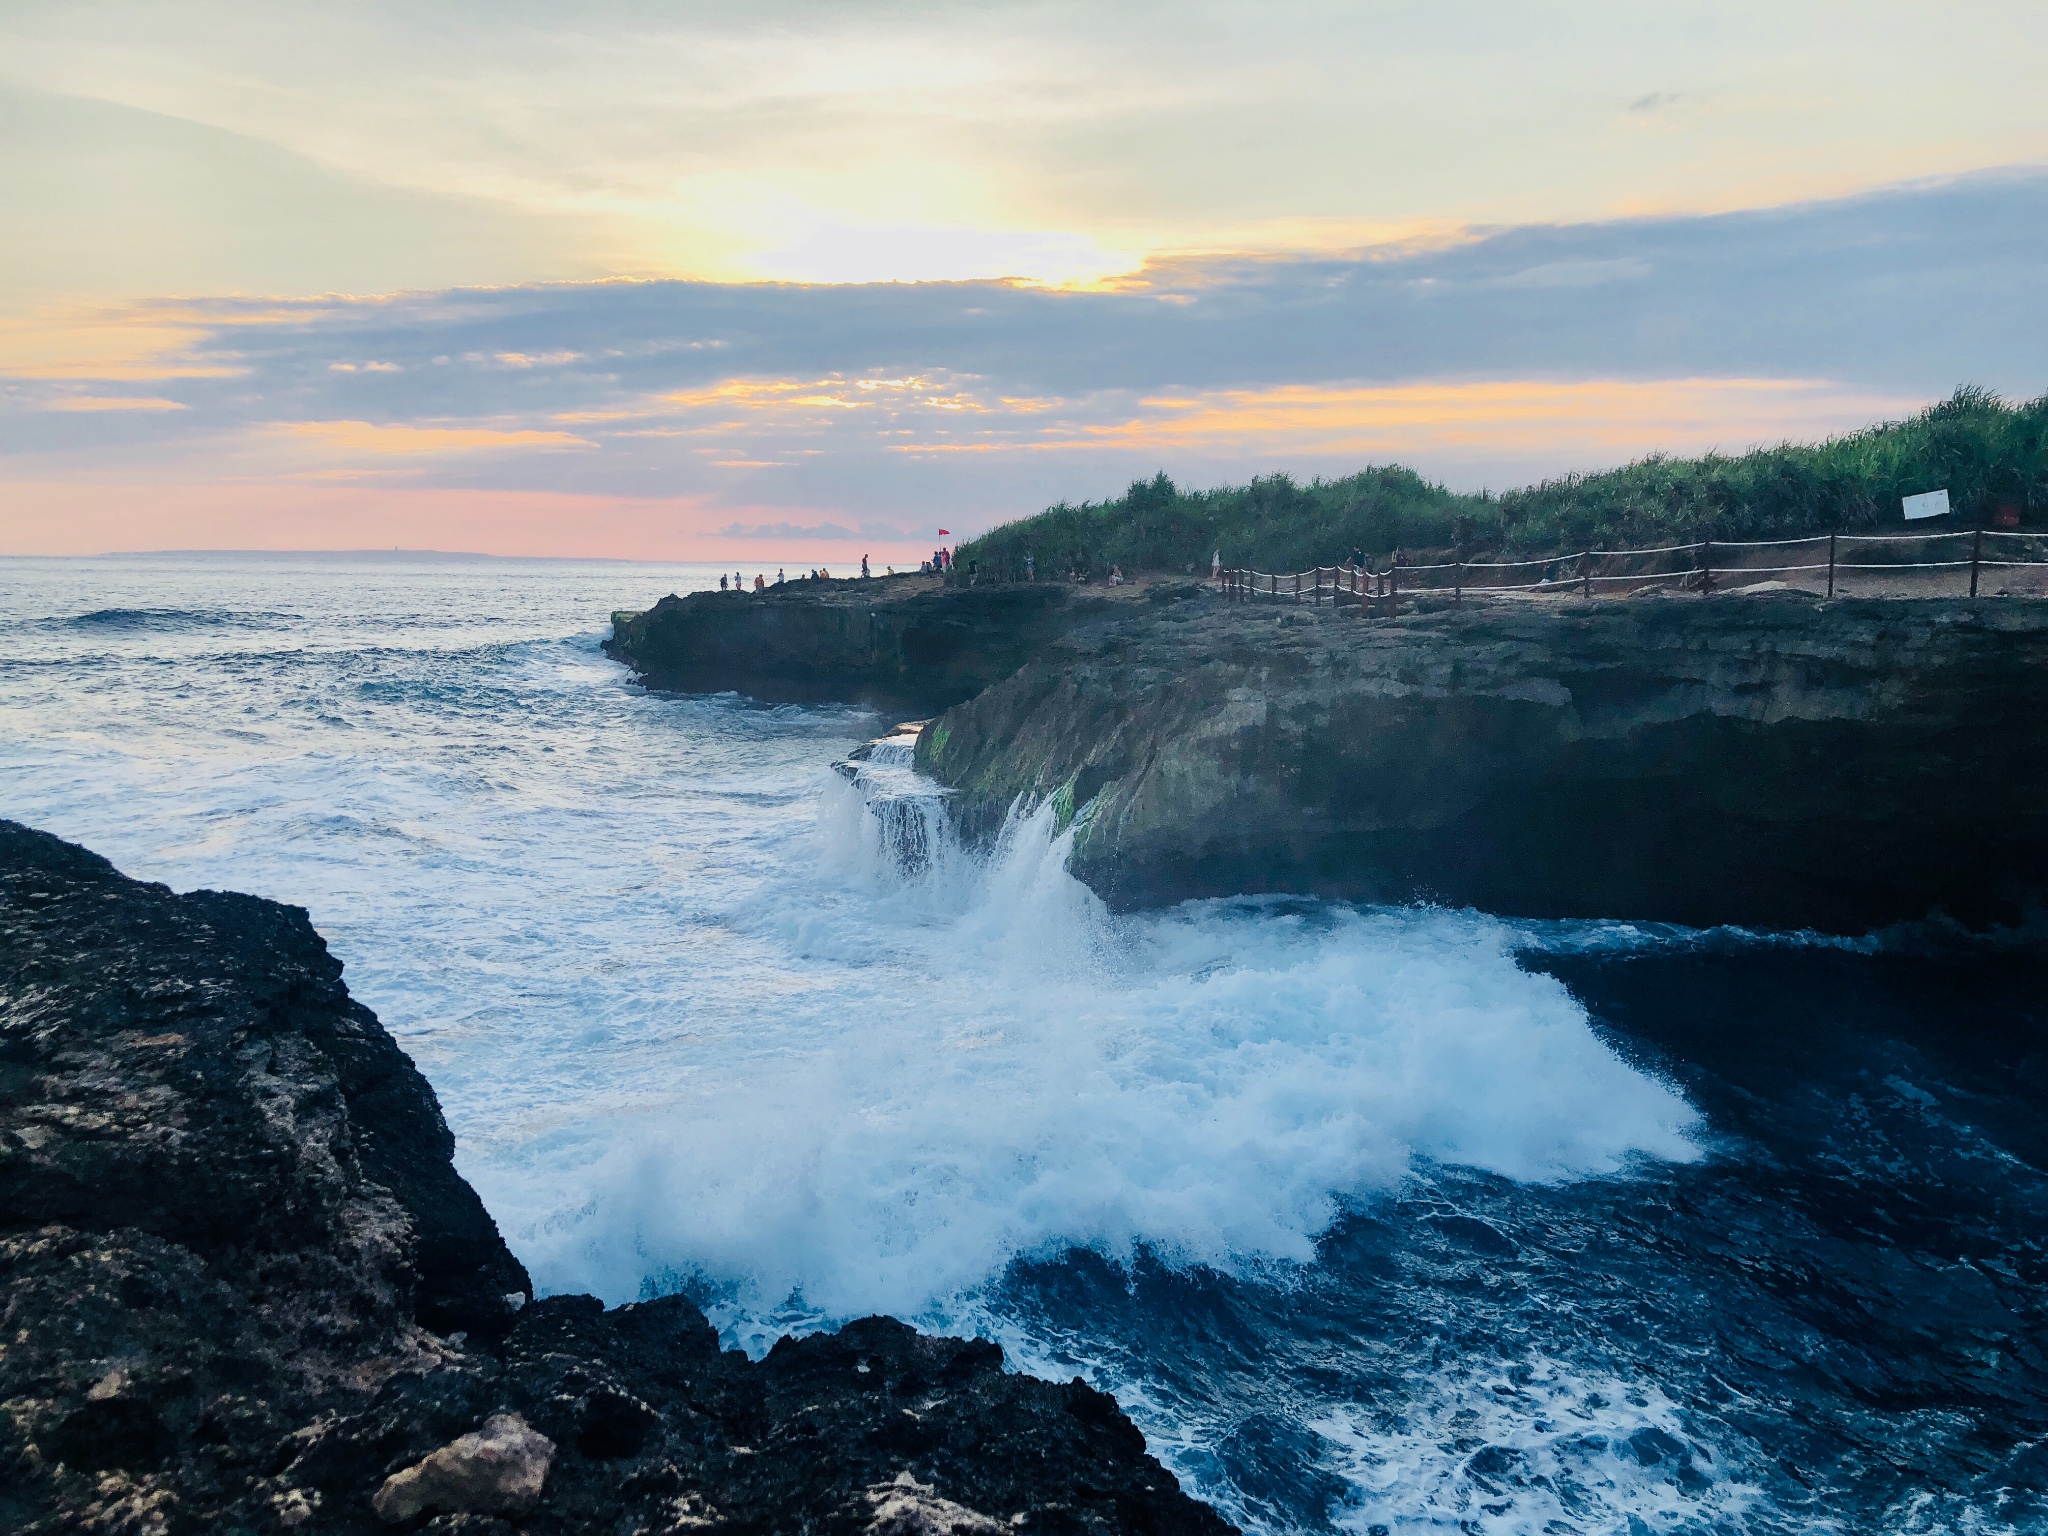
1759, 760
245, 1290
904, 643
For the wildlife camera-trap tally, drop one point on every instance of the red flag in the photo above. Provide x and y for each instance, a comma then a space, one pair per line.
945, 533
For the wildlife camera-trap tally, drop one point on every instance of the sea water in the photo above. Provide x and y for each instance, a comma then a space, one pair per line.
1397, 1219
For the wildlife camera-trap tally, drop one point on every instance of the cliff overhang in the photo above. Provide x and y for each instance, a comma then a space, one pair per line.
1770, 760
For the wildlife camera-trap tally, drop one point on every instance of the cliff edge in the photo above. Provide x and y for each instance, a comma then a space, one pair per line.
245, 1290
910, 643
1763, 760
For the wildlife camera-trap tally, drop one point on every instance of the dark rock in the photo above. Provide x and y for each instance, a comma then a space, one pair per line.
1772, 761
244, 1289
905, 643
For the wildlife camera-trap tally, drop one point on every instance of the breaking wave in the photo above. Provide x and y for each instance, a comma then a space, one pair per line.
1007, 1069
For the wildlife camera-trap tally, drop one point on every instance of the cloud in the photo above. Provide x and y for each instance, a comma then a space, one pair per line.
1576, 274
528, 360
112, 403
1592, 420
213, 146
110, 344
354, 437
1498, 357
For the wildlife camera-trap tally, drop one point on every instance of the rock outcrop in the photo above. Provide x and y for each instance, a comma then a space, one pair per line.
905, 643
1766, 760
245, 1290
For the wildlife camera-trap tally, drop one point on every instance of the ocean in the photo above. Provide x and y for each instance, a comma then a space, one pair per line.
1375, 1219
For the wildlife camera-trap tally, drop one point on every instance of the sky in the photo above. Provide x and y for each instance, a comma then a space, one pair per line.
792, 280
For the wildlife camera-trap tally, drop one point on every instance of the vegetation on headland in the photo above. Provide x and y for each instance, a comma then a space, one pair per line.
1988, 454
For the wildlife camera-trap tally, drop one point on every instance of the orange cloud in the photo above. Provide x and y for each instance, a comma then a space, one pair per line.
418, 442
107, 345
1616, 418
111, 403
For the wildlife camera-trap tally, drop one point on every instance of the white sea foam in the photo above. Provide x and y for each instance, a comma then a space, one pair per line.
1006, 1069
1538, 1448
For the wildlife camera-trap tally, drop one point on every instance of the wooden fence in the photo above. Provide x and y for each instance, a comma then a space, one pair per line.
1704, 567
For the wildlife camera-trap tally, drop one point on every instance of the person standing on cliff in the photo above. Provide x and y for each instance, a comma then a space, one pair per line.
1030, 567
1216, 566
863, 567
721, 581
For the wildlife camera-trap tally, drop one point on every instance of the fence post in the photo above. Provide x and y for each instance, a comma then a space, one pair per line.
1586, 575
1976, 553
1458, 582
1394, 589
1706, 566
1297, 586
1831, 564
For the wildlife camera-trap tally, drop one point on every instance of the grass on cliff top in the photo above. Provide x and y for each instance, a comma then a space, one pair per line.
1986, 452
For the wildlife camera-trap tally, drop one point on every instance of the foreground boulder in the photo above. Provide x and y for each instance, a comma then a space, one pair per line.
245, 1290
1759, 760
499, 1470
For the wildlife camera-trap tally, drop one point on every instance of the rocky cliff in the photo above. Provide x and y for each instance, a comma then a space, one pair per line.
245, 1290
906, 643
1757, 760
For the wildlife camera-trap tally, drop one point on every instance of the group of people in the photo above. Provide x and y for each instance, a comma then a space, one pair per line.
940, 562
738, 583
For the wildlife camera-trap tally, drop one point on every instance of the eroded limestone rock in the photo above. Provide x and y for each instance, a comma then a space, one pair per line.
1767, 760
499, 1470
907, 1507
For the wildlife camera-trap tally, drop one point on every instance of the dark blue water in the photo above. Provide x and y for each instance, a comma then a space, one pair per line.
1405, 1219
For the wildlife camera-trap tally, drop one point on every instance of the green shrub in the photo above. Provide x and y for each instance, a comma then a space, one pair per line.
1987, 453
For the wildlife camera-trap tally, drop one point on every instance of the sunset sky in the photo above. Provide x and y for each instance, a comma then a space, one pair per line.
789, 280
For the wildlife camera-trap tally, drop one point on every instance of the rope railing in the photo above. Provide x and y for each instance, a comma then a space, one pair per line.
1366, 586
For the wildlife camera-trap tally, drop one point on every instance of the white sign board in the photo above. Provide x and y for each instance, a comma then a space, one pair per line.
1932, 504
